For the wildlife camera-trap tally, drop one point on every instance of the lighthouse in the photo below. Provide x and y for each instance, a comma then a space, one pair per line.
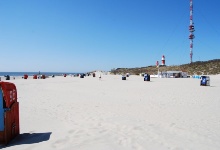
157, 63
163, 61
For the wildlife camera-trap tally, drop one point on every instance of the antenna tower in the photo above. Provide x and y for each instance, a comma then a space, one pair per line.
191, 30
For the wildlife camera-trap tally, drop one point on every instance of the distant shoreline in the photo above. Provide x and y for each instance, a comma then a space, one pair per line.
34, 73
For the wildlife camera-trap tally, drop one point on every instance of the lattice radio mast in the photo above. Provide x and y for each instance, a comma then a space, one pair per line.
191, 30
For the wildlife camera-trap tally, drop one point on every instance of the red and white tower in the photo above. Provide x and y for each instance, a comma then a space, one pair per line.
191, 30
157, 63
163, 61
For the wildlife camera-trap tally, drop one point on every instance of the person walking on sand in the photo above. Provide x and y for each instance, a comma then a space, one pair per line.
100, 77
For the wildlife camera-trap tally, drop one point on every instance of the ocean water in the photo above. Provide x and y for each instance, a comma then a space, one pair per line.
33, 73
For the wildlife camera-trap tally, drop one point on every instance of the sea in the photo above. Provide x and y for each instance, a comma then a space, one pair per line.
36, 73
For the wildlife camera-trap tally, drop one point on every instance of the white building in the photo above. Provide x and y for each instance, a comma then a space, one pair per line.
173, 74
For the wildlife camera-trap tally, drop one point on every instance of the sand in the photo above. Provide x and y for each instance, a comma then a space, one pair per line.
113, 114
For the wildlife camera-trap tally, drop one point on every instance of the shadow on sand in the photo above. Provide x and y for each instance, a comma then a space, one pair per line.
28, 138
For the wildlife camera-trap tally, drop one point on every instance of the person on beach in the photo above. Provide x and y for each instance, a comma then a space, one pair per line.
100, 77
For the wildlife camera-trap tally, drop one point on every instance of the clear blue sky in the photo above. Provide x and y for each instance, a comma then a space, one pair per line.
86, 35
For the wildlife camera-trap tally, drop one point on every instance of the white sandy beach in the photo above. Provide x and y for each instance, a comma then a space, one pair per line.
75, 113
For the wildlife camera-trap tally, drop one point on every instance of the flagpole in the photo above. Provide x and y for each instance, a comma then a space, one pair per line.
158, 71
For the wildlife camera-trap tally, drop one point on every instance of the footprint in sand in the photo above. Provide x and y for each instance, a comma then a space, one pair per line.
59, 143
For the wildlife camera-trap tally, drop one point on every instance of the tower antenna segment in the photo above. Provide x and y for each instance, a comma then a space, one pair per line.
191, 30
